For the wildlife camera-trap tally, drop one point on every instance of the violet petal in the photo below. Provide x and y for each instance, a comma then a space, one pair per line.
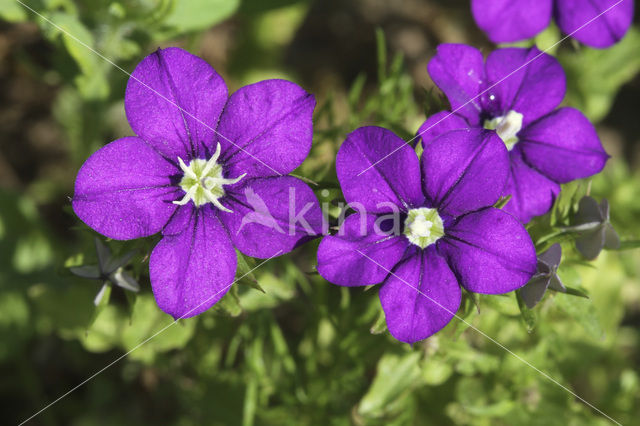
192, 270
173, 101
271, 216
340, 260
266, 129
124, 191
511, 20
379, 170
464, 170
458, 70
438, 124
564, 146
489, 251
420, 296
526, 81
532, 194
603, 31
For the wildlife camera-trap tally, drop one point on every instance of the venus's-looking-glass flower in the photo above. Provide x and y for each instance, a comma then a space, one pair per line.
451, 235
187, 173
512, 20
547, 146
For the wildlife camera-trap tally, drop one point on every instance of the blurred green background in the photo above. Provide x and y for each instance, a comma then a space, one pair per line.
304, 351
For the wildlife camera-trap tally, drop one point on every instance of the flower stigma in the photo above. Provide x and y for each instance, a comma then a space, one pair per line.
423, 226
507, 127
203, 182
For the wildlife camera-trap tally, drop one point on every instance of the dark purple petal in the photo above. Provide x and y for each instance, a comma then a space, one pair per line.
526, 80
533, 291
490, 252
192, 270
438, 124
379, 170
590, 243
458, 70
532, 194
505, 21
266, 129
123, 190
271, 216
340, 260
609, 22
563, 146
420, 296
173, 101
464, 170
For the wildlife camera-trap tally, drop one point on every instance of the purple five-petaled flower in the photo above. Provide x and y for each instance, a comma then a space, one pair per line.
596, 23
450, 234
197, 157
516, 93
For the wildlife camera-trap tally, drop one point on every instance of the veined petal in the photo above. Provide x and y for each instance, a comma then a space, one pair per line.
464, 170
173, 101
378, 170
527, 81
563, 146
124, 190
532, 194
266, 129
490, 252
420, 296
608, 24
458, 70
192, 270
506, 21
438, 124
272, 216
359, 254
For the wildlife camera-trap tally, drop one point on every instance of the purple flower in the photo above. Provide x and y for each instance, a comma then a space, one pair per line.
187, 173
450, 234
596, 23
516, 93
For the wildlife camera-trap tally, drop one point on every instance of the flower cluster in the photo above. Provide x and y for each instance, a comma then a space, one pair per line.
209, 173
596, 23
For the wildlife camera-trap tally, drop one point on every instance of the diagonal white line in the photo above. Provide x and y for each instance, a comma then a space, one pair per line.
491, 87
500, 345
145, 85
144, 342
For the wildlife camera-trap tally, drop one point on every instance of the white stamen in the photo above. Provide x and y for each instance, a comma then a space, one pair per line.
507, 127
212, 161
423, 226
203, 183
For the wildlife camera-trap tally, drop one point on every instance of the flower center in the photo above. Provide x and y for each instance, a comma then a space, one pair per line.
507, 127
423, 226
203, 182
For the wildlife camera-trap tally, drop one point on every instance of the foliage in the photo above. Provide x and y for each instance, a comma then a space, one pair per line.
284, 346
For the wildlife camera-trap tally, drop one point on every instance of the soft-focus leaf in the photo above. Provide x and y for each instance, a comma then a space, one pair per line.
395, 376
594, 76
193, 15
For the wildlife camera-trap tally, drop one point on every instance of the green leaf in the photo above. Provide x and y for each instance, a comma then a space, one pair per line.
12, 11
380, 326
594, 76
502, 202
629, 245
79, 41
244, 273
528, 316
154, 330
194, 15
396, 376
